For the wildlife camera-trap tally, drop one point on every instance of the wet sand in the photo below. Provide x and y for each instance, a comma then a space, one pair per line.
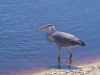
90, 69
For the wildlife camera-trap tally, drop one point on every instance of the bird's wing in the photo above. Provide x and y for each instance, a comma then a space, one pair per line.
65, 39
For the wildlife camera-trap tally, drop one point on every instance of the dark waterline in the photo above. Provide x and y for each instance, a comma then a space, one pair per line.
22, 50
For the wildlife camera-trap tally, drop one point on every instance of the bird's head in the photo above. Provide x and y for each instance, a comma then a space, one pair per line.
49, 26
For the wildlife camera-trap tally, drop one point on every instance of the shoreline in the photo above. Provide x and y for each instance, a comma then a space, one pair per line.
89, 69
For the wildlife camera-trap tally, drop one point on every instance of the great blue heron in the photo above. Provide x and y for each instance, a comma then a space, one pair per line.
62, 39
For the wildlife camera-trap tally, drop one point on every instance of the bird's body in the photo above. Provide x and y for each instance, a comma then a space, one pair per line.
62, 39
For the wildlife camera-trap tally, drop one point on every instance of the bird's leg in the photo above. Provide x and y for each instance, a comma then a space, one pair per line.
59, 49
70, 58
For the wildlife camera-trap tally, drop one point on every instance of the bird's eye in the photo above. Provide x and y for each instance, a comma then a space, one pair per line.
50, 25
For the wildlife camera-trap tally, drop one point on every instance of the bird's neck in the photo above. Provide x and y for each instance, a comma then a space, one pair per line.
52, 29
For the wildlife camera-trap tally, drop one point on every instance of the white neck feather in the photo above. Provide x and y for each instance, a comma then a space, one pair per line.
52, 29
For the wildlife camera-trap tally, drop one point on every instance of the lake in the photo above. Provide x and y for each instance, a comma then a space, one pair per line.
22, 50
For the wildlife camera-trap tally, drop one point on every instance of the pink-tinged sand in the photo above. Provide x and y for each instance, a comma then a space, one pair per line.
90, 69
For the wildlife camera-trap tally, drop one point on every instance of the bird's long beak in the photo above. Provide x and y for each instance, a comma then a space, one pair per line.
41, 28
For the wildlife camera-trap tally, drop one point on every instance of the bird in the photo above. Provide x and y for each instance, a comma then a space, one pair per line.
62, 40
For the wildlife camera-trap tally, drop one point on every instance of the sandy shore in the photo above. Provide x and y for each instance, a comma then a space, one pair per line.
91, 69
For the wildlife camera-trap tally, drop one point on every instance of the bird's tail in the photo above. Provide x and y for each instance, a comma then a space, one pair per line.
82, 43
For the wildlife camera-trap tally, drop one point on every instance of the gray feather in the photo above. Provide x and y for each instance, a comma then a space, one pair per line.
65, 39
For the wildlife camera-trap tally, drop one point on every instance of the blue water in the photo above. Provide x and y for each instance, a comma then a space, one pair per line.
21, 49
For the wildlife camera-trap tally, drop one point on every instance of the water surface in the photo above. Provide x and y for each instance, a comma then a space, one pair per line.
21, 49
